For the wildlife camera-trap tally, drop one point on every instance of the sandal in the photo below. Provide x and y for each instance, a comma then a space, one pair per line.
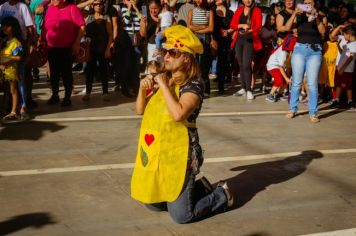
291, 115
314, 119
10, 116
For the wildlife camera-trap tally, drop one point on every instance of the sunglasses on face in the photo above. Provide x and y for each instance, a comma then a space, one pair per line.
97, 4
175, 53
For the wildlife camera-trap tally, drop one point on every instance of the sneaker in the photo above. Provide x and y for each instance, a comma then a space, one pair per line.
84, 91
335, 104
264, 89
305, 101
350, 104
229, 196
302, 97
66, 102
241, 92
283, 98
106, 97
53, 100
213, 76
271, 98
250, 95
86, 98
207, 185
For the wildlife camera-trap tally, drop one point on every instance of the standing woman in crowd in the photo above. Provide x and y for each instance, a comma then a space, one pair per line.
306, 59
201, 22
99, 30
64, 26
128, 47
284, 23
154, 8
222, 34
247, 21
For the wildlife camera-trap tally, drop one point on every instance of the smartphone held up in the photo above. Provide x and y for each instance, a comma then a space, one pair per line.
305, 7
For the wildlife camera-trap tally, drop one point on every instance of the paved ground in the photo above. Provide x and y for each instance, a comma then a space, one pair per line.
68, 171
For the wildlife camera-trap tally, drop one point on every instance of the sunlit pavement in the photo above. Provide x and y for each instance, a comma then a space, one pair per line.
67, 171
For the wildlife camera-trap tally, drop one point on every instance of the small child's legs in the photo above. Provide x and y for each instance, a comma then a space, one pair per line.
158, 40
343, 82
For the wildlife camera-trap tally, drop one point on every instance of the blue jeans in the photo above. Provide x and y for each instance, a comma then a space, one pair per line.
22, 83
185, 209
306, 59
159, 38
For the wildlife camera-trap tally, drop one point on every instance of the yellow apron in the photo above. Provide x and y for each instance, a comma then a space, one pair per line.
162, 154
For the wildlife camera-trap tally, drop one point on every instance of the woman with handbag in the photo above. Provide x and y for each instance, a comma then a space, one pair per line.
201, 22
64, 26
247, 22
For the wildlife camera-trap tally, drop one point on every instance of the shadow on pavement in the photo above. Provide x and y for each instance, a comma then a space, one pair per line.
331, 113
28, 130
257, 177
34, 220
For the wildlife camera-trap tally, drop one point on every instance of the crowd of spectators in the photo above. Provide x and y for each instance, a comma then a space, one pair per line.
295, 51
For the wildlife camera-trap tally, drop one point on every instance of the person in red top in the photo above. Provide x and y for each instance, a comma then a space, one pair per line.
247, 23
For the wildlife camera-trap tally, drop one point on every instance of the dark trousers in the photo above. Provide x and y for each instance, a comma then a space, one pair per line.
186, 208
60, 63
223, 66
97, 63
127, 63
244, 56
205, 60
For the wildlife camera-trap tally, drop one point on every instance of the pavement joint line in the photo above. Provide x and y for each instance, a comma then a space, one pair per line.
344, 232
135, 117
131, 165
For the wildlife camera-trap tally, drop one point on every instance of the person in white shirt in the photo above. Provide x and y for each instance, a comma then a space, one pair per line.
21, 12
276, 67
345, 63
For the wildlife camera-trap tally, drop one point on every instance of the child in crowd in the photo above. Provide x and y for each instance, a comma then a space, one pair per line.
268, 36
165, 21
345, 62
328, 68
10, 54
153, 68
276, 67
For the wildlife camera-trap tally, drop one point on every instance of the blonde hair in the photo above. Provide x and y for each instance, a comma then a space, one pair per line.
191, 69
154, 67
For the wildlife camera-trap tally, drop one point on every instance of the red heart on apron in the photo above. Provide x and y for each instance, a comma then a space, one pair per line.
149, 138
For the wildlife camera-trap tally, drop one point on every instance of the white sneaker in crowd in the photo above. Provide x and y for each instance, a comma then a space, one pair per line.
241, 92
250, 95
84, 91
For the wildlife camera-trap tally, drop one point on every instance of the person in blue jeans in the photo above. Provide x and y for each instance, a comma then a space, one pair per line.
306, 59
172, 100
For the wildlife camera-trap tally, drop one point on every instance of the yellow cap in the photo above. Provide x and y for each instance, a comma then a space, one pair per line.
182, 38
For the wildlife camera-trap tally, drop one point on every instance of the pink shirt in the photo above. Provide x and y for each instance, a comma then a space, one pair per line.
61, 25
